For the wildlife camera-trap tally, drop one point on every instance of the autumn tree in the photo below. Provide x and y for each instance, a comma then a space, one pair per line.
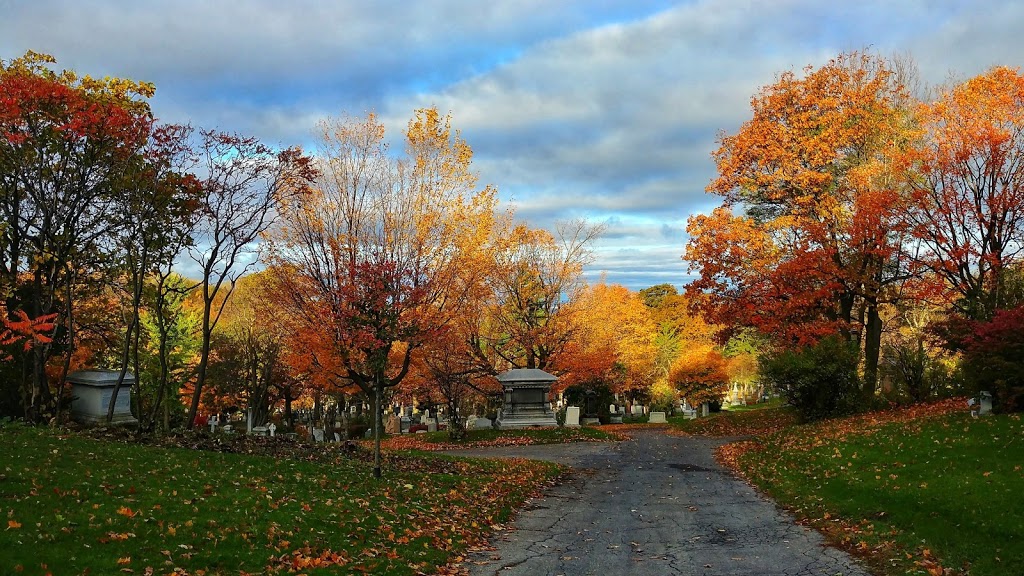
249, 363
700, 374
533, 276
966, 174
157, 209
808, 241
613, 327
243, 184
68, 144
171, 346
374, 250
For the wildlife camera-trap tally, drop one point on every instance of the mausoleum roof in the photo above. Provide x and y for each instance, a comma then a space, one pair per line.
526, 375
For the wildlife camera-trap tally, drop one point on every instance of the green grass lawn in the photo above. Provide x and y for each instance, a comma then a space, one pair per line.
75, 505
530, 435
911, 496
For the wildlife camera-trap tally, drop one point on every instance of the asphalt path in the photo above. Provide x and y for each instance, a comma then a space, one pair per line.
657, 504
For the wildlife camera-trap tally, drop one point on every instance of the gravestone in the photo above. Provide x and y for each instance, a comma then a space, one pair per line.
572, 417
271, 429
318, 434
657, 418
431, 424
637, 410
484, 423
260, 431
91, 391
393, 425
213, 421
525, 395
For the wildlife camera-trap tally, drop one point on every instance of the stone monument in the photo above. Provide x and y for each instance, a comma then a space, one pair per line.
91, 391
526, 399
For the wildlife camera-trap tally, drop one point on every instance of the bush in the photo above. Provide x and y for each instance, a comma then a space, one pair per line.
664, 398
597, 394
994, 359
820, 381
915, 375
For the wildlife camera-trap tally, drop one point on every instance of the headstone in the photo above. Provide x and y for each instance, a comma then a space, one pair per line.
393, 425
337, 437
984, 403
318, 434
616, 418
572, 417
689, 414
704, 409
91, 391
657, 418
405, 423
637, 410
484, 424
431, 424
272, 428
228, 429
214, 420
612, 409
471, 422
259, 431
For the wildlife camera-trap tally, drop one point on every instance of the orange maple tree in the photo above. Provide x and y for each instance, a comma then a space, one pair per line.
807, 241
967, 181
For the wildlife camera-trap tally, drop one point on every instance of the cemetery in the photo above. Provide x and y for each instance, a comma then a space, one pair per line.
561, 322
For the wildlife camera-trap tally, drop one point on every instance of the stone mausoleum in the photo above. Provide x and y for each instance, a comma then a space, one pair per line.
526, 399
91, 391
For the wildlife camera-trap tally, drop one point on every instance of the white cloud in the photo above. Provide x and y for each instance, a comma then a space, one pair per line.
594, 108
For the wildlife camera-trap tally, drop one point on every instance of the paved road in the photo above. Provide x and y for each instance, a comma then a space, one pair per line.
655, 505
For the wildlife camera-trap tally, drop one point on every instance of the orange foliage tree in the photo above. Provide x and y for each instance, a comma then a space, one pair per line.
613, 342
532, 277
967, 186
373, 252
66, 144
700, 374
808, 240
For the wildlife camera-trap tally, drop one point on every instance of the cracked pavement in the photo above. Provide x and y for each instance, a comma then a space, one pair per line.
655, 505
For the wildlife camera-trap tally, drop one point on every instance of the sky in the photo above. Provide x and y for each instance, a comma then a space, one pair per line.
606, 110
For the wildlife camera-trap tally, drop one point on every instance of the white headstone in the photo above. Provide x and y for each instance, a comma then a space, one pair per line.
572, 417
431, 424
611, 408
318, 434
637, 410
484, 424
657, 418
272, 427
985, 403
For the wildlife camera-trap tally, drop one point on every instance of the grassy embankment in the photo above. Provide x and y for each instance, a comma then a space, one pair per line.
76, 505
925, 490
434, 441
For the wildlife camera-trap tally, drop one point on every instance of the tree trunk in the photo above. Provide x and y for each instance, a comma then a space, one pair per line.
378, 385
872, 349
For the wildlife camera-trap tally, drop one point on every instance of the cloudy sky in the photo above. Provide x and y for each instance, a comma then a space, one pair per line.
601, 109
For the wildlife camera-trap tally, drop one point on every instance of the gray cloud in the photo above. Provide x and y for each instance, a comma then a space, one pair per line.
607, 110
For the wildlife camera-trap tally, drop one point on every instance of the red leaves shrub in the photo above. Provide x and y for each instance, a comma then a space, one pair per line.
994, 358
